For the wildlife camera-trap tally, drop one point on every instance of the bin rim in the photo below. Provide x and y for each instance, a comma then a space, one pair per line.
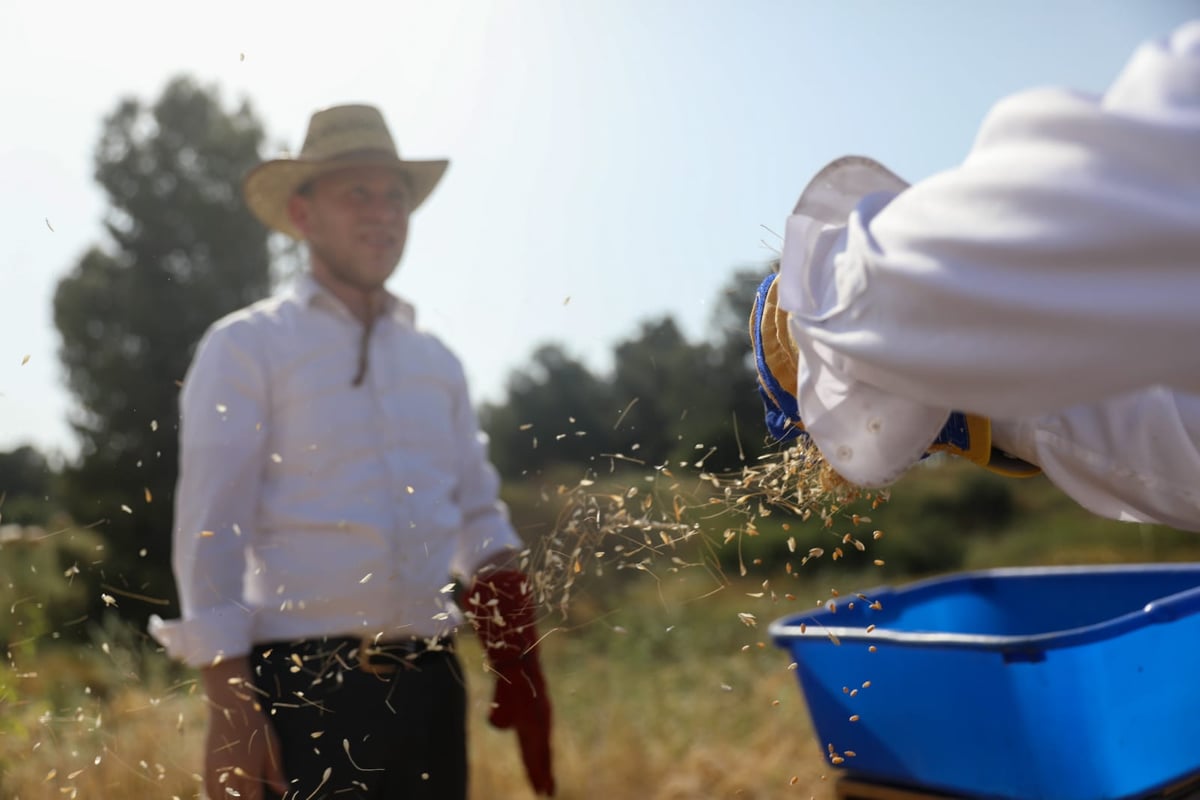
1018, 647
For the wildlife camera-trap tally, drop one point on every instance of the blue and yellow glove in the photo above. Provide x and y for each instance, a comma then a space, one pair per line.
776, 361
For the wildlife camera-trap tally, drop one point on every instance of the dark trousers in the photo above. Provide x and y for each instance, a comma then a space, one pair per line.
360, 734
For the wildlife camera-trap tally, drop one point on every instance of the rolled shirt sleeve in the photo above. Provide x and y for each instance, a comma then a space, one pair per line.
222, 456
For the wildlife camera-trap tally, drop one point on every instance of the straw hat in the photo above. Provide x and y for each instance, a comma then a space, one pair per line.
338, 137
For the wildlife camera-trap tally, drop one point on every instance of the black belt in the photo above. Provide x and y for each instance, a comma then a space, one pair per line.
370, 654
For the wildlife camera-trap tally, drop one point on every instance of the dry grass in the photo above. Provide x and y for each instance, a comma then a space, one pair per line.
667, 691
128, 740
660, 689
663, 682
666, 701
654, 697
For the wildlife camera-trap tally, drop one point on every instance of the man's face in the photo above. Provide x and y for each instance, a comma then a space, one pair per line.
355, 221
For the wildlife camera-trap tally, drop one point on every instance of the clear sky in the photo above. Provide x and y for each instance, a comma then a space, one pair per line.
611, 160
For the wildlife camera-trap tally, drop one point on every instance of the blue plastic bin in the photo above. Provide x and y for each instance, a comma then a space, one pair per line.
1076, 683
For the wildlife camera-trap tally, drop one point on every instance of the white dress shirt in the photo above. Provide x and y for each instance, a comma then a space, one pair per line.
1051, 282
307, 506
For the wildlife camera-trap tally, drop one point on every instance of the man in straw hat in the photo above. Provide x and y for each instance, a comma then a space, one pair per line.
332, 480
1036, 307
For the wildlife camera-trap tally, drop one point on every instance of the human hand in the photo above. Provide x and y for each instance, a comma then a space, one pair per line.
242, 753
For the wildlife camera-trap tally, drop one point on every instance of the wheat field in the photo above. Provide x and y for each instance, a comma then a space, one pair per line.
665, 693
664, 682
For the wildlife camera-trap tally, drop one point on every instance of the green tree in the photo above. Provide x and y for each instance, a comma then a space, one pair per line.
660, 377
183, 252
695, 402
26, 481
556, 412
666, 395
735, 424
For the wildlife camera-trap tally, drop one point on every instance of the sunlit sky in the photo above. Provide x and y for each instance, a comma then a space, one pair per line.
611, 161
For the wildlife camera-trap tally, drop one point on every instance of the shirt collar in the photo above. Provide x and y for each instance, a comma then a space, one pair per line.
309, 292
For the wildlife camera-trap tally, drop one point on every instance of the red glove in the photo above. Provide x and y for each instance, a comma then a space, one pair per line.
501, 609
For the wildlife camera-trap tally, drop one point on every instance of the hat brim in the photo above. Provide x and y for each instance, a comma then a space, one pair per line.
869, 436
269, 186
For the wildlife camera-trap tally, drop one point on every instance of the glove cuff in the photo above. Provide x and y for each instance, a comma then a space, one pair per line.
969, 436
500, 608
776, 360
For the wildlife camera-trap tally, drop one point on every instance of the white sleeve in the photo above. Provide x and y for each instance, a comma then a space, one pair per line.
1051, 282
1134, 457
1058, 265
487, 530
222, 456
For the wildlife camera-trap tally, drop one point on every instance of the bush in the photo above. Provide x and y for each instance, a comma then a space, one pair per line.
41, 582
